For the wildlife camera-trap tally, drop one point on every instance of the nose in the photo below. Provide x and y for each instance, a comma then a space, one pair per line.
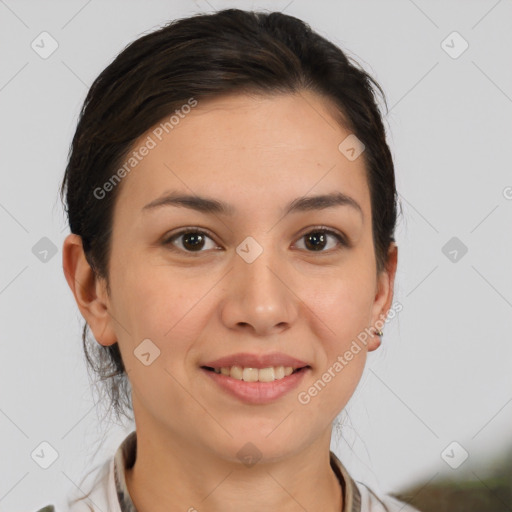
259, 297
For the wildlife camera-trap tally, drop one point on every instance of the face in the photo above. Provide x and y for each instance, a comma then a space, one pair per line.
257, 279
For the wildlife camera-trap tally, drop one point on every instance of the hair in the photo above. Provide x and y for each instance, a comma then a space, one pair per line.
206, 56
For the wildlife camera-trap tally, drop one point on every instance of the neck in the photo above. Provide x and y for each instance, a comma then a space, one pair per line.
170, 475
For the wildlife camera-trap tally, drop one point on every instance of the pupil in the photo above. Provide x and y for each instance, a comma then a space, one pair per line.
317, 237
196, 238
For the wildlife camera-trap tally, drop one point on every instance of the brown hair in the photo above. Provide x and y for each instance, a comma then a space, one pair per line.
206, 56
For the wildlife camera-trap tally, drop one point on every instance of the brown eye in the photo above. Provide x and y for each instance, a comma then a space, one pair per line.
318, 239
191, 241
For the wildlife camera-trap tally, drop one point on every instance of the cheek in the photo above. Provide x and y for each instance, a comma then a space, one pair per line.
345, 312
345, 305
156, 304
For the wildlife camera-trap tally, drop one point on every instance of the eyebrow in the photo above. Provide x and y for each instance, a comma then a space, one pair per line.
213, 206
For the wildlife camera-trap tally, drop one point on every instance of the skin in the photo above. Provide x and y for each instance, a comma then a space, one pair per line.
257, 154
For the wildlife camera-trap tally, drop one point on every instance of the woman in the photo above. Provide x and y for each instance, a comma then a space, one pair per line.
232, 205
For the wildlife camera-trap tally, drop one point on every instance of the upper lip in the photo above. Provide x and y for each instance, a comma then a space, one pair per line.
247, 360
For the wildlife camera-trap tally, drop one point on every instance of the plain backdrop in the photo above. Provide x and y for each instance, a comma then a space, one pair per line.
443, 373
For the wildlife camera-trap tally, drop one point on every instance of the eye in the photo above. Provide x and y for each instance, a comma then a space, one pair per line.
193, 240
317, 239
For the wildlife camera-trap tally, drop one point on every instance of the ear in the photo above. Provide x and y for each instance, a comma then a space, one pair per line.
383, 295
90, 291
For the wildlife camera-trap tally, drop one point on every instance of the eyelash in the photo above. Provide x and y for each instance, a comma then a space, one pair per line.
195, 230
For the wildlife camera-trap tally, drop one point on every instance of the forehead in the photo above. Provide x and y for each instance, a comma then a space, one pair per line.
241, 147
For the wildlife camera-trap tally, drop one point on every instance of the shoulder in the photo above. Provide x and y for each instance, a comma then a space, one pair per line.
372, 501
93, 494
361, 498
97, 493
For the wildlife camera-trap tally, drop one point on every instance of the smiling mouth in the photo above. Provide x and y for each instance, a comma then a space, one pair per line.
247, 374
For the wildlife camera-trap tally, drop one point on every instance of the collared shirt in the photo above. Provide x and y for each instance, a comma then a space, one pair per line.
109, 492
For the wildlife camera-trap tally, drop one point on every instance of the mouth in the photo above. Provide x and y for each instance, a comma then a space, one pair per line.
256, 386
248, 374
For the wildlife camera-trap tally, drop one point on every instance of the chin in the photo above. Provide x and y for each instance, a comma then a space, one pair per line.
256, 446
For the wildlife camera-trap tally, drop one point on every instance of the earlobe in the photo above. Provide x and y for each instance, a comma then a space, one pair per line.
89, 290
383, 297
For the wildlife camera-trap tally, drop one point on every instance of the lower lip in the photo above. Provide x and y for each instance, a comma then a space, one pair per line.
257, 393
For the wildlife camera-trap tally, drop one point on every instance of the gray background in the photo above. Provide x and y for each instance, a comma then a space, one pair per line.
443, 373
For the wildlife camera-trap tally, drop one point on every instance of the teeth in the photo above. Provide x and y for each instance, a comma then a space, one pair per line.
254, 374
250, 374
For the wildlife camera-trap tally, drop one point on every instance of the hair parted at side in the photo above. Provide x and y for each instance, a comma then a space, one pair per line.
208, 56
